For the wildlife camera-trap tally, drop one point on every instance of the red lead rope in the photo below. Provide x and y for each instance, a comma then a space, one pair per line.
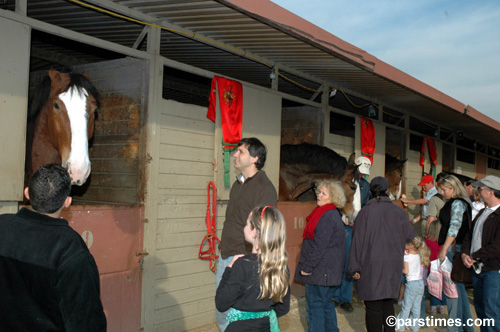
211, 222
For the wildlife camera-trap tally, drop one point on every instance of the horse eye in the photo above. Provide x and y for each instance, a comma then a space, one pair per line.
56, 106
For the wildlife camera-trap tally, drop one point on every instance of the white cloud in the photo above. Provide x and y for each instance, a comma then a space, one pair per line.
451, 45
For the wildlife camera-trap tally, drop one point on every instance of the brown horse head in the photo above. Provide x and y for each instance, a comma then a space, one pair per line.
64, 124
302, 165
394, 175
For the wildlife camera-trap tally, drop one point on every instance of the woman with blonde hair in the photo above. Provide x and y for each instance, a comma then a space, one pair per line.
255, 288
455, 218
321, 263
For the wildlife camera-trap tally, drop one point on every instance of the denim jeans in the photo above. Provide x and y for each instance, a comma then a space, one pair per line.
487, 297
412, 301
434, 301
220, 317
422, 306
459, 307
344, 292
320, 310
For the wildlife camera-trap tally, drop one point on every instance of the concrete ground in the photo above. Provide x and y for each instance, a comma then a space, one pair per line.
295, 320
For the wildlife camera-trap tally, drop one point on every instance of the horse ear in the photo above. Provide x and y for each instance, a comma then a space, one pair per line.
352, 158
54, 75
86, 76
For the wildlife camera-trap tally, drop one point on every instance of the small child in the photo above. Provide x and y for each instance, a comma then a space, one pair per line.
255, 288
418, 255
437, 305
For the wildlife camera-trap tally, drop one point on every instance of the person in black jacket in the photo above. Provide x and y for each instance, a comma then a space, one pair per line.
481, 250
377, 254
321, 263
48, 278
455, 218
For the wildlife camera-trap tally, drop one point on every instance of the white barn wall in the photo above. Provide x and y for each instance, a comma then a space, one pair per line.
490, 171
14, 73
184, 285
340, 144
465, 169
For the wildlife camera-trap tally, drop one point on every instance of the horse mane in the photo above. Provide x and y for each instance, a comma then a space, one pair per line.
79, 82
318, 159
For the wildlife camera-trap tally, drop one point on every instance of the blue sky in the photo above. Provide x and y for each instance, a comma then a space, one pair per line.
451, 45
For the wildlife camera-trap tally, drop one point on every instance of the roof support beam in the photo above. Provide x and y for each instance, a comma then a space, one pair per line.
55, 57
76, 36
141, 37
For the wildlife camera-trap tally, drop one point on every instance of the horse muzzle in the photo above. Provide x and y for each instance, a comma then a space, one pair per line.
77, 174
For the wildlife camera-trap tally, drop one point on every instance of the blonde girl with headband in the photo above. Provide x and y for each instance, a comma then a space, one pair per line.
415, 265
255, 288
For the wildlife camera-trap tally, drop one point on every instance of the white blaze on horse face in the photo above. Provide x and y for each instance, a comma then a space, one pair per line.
356, 203
78, 163
398, 194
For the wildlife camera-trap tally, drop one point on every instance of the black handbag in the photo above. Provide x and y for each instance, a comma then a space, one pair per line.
459, 272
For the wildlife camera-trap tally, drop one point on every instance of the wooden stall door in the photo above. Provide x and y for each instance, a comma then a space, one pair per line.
114, 236
295, 214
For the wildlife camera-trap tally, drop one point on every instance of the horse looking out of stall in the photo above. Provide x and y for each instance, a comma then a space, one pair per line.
394, 175
303, 164
60, 123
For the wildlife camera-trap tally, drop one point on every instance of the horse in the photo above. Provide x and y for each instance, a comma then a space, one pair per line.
303, 164
394, 175
60, 123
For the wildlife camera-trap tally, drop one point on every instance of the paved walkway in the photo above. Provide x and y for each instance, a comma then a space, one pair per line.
295, 320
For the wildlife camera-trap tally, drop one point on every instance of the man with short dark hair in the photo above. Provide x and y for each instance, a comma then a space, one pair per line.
251, 189
48, 278
481, 250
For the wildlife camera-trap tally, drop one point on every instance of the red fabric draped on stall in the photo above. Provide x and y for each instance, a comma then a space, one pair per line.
231, 106
367, 139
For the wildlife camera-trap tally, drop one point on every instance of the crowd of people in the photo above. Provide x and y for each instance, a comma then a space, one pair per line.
377, 251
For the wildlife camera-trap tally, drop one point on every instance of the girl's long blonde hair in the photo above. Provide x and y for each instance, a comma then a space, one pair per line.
271, 231
422, 249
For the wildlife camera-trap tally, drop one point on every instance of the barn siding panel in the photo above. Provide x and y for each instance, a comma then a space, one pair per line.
184, 285
466, 169
491, 171
14, 71
340, 144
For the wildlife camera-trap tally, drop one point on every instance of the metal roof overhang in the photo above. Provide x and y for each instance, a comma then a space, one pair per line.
242, 39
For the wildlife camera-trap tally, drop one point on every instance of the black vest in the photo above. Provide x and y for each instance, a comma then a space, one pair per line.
445, 217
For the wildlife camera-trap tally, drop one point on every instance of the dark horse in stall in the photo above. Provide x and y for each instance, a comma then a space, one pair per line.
394, 175
60, 123
303, 164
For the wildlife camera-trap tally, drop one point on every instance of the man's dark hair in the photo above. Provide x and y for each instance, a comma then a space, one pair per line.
377, 192
256, 149
48, 188
495, 192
